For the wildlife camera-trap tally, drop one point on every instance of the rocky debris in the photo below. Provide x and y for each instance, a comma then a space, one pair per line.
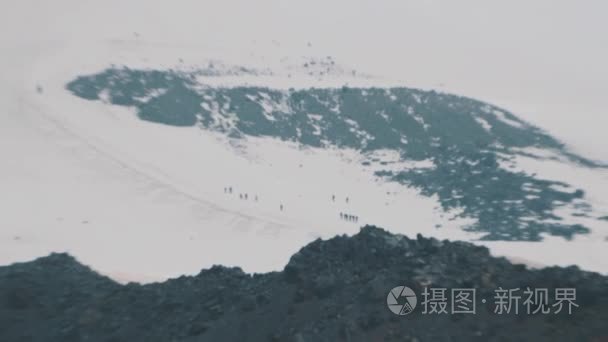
334, 290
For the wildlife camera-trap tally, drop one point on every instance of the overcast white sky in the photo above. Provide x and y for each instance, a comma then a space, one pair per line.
543, 59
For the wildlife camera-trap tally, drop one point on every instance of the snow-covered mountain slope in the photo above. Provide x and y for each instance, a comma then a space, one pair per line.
147, 199
467, 146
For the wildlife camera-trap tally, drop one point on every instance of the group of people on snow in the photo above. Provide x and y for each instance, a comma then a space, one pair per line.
349, 217
243, 196
343, 216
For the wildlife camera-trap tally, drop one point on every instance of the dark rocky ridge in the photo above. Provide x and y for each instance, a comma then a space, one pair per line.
332, 290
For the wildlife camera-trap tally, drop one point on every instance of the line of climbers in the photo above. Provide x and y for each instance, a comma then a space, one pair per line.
343, 216
349, 217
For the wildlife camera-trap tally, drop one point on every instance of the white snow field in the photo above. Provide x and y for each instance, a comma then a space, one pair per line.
93, 180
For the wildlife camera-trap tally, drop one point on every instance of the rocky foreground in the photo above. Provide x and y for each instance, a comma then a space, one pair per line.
334, 290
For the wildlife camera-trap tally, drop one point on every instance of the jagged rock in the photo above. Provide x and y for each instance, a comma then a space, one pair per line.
334, 290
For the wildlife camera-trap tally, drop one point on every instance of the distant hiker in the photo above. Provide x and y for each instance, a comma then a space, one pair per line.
230, 189
333, 198
245, 196
241, 196
256, 198
281, 207
346, 199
